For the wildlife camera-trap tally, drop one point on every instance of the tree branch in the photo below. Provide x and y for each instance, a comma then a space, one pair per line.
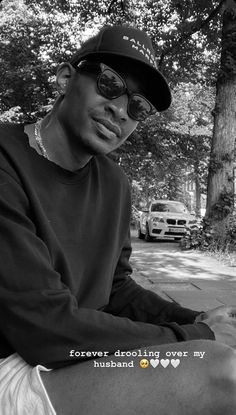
194, 28
110, 6
122, 4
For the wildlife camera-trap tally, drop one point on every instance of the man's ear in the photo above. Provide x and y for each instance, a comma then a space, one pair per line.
64, 74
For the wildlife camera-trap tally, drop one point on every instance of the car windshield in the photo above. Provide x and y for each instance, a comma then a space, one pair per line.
169, 207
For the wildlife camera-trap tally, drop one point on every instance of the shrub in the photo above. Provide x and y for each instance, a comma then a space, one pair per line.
218, 236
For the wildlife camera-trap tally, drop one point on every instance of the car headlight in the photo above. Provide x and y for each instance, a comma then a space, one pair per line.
192, 222
158, 219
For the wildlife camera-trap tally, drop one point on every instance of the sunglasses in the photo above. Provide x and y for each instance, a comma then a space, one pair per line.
111, 85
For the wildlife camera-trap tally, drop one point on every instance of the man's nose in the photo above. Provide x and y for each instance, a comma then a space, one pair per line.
118, 107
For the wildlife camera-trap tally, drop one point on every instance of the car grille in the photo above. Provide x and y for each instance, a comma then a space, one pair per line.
171, 221
181, 222
174, 221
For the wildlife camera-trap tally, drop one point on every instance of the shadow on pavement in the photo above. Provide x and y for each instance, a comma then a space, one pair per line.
163, 260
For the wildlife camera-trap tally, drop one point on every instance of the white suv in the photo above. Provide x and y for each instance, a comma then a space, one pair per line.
165, 219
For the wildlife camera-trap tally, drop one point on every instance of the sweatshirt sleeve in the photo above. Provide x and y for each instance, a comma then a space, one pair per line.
129, 299
41, 319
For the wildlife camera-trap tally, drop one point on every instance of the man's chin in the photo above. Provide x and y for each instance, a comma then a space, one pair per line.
96, 146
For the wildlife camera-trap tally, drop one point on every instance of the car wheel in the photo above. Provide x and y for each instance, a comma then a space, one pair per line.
140, 234
147, 236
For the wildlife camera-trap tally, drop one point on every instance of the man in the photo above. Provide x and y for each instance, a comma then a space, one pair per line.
67, 300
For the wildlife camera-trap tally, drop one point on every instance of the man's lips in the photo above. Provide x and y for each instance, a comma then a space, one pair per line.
109, 125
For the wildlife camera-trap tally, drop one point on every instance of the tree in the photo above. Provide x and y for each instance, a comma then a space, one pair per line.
220, 201
192, 119
33, 41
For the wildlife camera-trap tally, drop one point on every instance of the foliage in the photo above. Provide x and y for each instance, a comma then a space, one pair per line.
14, 115
212, 236
33, 41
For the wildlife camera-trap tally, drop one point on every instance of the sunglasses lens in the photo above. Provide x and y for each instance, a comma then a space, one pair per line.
139, 108
110, 84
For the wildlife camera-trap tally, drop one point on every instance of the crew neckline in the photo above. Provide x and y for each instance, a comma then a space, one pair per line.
63, 175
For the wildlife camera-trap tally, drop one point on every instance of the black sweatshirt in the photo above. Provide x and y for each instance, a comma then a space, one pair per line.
64, 262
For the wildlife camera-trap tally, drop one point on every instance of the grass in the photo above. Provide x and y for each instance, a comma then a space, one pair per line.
226, 256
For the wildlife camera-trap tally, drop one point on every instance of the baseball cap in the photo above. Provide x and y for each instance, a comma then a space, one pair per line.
135, 45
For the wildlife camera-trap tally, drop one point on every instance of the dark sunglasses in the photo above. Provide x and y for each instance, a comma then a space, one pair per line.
111, 85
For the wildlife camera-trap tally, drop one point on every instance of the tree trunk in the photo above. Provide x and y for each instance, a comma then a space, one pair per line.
220, 179
197, 190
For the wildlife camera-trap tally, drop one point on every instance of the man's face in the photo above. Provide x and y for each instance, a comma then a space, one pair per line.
93, 123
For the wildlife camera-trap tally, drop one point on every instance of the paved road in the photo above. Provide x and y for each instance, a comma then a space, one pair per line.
190, 278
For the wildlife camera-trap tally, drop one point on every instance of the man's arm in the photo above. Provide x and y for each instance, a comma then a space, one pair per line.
129, 299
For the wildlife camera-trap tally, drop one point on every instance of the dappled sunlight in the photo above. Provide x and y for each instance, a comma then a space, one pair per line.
189, 278
161, 261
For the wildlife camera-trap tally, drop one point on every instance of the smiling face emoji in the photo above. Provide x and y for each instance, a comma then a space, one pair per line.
144, 363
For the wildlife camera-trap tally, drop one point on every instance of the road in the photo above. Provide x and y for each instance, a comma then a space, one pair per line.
188, 277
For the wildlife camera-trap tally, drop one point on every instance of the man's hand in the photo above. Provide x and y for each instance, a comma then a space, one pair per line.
222, 321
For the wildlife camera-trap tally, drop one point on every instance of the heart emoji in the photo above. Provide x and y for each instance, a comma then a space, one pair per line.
165, 362
154, 362
175, 362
